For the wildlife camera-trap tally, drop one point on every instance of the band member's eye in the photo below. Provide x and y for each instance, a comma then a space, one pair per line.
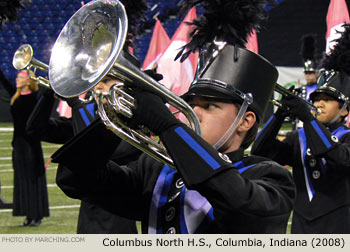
209, 106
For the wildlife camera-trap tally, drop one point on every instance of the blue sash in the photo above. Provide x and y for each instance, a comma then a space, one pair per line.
201, 212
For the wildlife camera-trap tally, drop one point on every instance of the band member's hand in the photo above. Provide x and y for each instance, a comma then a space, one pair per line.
72, 102
151, 112
298, 107
154, 74
281, 113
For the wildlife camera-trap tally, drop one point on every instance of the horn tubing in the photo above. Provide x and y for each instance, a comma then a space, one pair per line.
125, 68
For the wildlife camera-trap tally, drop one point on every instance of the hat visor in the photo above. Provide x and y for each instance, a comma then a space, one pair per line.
325, 91
212, 93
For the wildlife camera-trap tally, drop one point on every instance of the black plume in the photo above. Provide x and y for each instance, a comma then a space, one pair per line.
224, 20
9, 11
308, 47
135, 10
339, 57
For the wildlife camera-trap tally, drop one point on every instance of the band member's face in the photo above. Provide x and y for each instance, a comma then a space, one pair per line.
329, 108
310, 77
106, 83
22, 80
214, 117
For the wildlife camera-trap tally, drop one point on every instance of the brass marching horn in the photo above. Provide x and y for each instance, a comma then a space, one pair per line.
89, 47
23, 60
287, 93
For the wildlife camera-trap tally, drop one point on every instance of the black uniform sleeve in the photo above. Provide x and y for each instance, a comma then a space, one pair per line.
323, 144
7, 85
86, 173
213, 176
267, 145
319, 138
42, 126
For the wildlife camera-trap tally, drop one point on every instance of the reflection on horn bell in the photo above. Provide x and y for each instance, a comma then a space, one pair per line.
89, 47
23, 60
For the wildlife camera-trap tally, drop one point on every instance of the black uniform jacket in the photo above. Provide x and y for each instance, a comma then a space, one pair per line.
30, 197
206, 194
320, 157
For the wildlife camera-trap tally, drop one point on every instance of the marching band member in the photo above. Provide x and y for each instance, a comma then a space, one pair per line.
319, 152
310, 71
215, 187
30, 197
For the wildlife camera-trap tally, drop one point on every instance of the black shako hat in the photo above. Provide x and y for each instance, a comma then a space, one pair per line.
309, 66
308, 53
334, 84
335, 76
232, 74
226, 70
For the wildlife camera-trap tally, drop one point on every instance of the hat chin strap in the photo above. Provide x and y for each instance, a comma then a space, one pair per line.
234, 125
340, 112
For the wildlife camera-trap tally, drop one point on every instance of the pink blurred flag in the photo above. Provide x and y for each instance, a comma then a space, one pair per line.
159, 43
178, 76
64, 109
337, 15
252, 42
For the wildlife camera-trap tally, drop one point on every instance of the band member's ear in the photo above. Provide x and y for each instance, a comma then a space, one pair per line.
344, 113
247, 122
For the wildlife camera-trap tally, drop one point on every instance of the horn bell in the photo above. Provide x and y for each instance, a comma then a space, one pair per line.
87, 47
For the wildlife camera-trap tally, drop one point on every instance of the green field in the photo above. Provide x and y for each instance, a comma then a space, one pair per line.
63, 210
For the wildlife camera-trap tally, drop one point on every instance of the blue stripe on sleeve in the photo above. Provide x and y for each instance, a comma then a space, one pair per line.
197, 148
267, 123
243, 169
91, 108
41, 97
339, 132
84, 116
321, 134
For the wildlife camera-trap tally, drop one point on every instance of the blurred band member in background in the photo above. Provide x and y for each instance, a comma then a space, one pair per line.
310, 67
30, 197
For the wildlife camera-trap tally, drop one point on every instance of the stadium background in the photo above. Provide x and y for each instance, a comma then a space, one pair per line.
279, 39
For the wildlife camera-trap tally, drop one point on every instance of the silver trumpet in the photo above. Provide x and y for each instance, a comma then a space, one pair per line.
23, 60
89, 47
287, 93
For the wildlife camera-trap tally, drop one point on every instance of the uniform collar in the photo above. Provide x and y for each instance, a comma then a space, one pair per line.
333, 126
236, 155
